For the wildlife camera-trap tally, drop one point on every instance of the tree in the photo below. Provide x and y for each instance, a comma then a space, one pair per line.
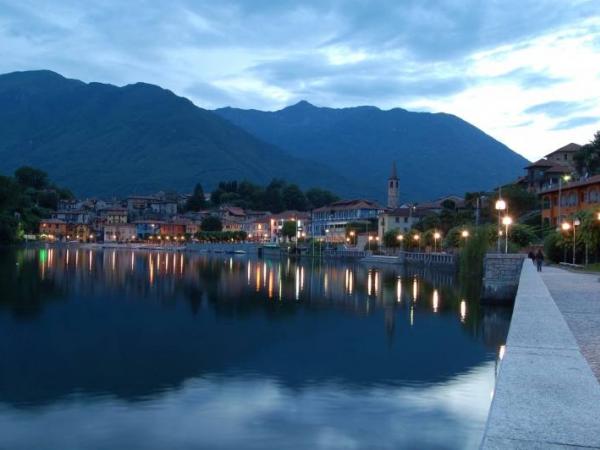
273, 198
294, 198
320, 197
289, 229
518, 200
8, 228
587, 159
30, 177
522, 235
211, 223
390, 238
197, 201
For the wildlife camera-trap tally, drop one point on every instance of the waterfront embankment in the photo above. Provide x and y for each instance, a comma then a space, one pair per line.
546, 396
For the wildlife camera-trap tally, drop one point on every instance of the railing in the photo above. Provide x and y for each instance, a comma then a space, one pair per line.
445, 259
344, 254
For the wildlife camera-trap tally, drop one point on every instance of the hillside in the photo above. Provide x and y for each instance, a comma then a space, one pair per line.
436, 154
104, 140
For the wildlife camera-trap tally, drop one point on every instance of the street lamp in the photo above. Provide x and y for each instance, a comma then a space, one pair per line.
566, 179
436, 236
500, 206
465, 234
576, 223
417, 238
506, 221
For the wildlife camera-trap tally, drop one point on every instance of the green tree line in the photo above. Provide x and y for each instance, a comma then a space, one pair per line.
25, 198
276, 197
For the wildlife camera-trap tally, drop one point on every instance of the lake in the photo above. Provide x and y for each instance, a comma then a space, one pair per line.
121, 349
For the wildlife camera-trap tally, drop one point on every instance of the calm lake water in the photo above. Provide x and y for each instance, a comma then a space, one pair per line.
136, 350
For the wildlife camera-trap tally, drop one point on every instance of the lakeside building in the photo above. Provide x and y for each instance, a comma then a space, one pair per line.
402, 219
302, 220
55, 228
330, 221
574, 197
146, 228
120, 232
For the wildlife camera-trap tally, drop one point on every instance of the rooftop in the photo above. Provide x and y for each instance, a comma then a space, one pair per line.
349, 204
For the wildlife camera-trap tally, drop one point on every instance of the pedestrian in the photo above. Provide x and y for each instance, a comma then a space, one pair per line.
531, 256
539, 259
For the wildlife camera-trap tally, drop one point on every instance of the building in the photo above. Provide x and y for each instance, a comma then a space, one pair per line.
393, 196
276, 221
120, 232
258, 228
81, 216
547, 171
114, 215
575, 196
53, 228
437, 206
174, 229
401, 220
146, 228
329, 222
80, 231
564, 155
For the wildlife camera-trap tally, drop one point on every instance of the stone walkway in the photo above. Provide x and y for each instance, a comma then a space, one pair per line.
578, 299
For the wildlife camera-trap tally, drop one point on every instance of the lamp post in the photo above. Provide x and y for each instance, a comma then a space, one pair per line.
576, 223
436, 236
370, 239
566, 226
465, 235
506, 221
566, 178
500, 206
417, 238
400, 239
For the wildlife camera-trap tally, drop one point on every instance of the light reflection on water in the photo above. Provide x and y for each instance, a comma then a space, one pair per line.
122, 349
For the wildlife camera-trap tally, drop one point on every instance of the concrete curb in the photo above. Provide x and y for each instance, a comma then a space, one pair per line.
546, 395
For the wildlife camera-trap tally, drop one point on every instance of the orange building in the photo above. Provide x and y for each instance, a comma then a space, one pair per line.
574, 197
172, 229
55, 228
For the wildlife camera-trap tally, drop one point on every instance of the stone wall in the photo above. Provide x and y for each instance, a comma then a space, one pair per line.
501, 273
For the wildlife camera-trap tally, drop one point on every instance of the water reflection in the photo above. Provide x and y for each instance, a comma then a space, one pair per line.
317, 354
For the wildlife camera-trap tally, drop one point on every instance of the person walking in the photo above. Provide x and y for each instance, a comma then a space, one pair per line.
539, 260
531, 256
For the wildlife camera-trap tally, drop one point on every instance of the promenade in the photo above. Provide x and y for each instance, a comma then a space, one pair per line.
546, 395
577, 296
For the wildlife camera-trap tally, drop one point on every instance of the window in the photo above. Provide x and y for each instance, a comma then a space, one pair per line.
546, 203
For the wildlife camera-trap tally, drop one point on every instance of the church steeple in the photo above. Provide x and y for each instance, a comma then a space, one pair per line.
393, 197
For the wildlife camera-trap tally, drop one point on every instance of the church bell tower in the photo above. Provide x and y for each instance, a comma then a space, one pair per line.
393, 196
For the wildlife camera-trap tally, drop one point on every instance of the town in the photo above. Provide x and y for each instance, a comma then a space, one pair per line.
555, 191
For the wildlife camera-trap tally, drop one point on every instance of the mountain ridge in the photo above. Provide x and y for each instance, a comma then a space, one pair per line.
363, 141
101, 139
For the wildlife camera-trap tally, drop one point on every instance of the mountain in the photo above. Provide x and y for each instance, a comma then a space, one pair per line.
436, 154
103, 140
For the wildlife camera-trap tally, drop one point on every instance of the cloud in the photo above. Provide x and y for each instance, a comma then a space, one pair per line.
576, 122
530, 79
248, 412
557, 108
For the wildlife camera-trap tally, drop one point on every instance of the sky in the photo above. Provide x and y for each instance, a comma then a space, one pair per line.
527, 72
